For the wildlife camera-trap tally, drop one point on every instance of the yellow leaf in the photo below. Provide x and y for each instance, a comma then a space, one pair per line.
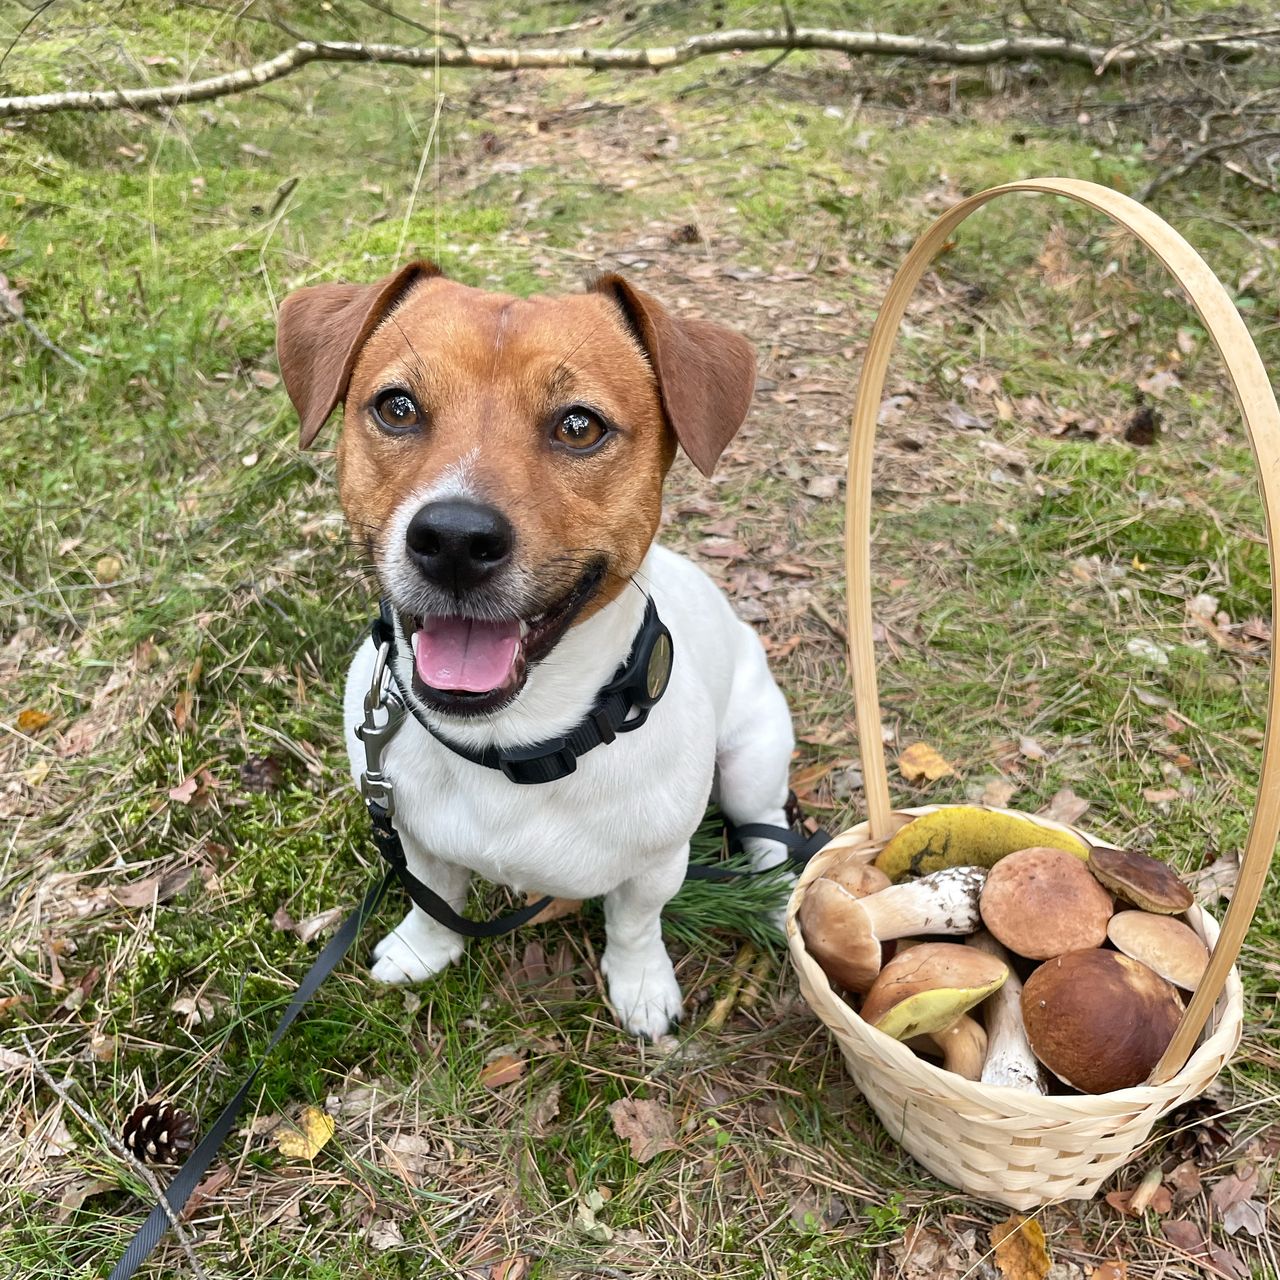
108, 569
32, 721
305, 1142
1020, 1249
921, 763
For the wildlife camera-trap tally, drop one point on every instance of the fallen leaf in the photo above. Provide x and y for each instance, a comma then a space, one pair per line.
1031, 749
1160, 1202
586, 1220
1216, 881
1020, 1252
1184, 1182
31, 720
283, 921
185, 791
305, 1141
822, 486
921, 762
502, 1071
1116, 1270
1184, 1235
997, 793
646, 1124
77, 1192
1065, 807
510, 1268
265, 379
722, 549
261, 773
1232, 1198
313, 926
195, 1009
10, 298
160, 888
384, 1234
556, 909
1159, 383
545, 1110
205, 1191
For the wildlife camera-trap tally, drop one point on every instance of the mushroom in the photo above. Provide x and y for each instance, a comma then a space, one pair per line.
843, 930
926, 989
1162, 943
1009, 1061
1098, 1019
1042, 902
1141, 880
963, 1046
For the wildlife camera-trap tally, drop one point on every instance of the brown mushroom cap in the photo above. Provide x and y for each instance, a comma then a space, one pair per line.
1144, 881
1163, 943
926, 988
1043, 902
834, 928
1099, 1020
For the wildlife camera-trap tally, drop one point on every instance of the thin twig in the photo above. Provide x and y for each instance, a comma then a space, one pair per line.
622, 58
14, 314
96, 1126
1165, 176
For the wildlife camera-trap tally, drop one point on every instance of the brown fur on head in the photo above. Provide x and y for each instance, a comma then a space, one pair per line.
490, 373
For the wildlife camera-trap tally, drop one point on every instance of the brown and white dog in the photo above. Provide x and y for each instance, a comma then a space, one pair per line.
502, 462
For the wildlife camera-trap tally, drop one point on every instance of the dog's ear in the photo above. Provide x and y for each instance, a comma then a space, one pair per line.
319, 335
706, 373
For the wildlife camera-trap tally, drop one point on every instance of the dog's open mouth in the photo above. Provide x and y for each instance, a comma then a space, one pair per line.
467, 665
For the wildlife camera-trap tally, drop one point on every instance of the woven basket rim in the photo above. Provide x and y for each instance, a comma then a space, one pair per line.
1216, 1046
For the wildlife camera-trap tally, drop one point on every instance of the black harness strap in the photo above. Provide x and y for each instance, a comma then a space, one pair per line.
387, 840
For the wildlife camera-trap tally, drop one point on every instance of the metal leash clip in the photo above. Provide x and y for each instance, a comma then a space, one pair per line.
375, 786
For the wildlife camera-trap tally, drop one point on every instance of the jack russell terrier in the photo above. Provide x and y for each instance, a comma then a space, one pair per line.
501, 461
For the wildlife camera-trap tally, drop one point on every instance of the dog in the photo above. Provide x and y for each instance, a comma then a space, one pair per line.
501, 461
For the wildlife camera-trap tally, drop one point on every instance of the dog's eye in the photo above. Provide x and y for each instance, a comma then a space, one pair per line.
397, 411
579, 429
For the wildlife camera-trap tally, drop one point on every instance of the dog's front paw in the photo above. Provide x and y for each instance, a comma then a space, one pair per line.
644, 992
414, 953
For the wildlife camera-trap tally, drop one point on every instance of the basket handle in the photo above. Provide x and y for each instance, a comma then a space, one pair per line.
1258, 407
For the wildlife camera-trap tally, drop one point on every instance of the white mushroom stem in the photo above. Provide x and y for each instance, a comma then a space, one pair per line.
1009, 1061
944, 902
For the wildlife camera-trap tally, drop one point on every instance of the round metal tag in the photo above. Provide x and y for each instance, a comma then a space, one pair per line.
658, 671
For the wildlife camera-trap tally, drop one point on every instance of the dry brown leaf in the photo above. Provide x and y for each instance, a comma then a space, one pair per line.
922, 763
321, 922
545, 1110
722, 549
32, 720
205, 1191
822, 486
1114, 1270
1020, 1251
646, 1124
997, 793
1122, 1201
159, 888
502, 1071
510, 1268
556, 909
185, 791
1184, 1182
308, 1138
1030, 748
1065, 807
1232, 1197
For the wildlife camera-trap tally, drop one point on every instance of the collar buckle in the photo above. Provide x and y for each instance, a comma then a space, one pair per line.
375, 786
545, 762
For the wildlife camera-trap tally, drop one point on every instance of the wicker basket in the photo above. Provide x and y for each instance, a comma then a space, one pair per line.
1016, 1148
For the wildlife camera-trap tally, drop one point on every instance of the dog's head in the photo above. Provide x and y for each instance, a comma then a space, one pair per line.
502, 458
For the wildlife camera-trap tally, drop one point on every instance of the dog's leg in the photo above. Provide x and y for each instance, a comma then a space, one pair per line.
753, 758
642, 983
418, 947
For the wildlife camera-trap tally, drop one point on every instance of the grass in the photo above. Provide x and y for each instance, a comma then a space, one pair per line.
180, 598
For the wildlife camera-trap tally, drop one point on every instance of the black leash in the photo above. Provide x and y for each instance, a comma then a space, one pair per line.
379, 794
188, 1177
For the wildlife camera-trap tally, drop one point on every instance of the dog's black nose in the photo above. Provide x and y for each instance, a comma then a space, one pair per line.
458, 543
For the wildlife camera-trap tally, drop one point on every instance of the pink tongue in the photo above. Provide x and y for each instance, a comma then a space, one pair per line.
466, 654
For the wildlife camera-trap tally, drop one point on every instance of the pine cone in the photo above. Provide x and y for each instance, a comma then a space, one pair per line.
158, 1133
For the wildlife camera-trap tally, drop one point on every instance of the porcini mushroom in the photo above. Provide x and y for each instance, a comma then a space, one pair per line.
843, 931
1140, 880
964, 1047
1042, 902
926, 989
1009, 1061
1162, 943
1098, 1019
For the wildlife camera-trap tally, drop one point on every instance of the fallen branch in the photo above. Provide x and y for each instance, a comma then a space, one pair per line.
657, 58
1165, 176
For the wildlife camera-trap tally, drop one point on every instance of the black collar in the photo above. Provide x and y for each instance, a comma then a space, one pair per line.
621, 706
